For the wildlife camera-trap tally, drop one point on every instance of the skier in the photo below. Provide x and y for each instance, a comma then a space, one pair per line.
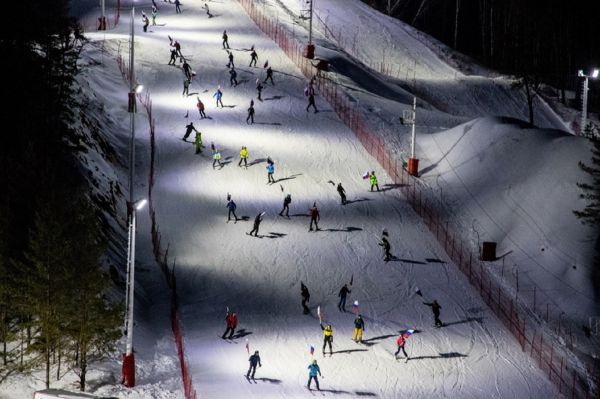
269, 76
231, 206
250, 116
344, 291
146, 22
314, 217
188, 130
254, 360
254, 58
373, 180
154, 14
186, 87
359, 327
286, 205
401, 341
187, 70
230, 64
311, 101
257, 221
233, 77
342, 192
305, 297
243, 157
198, 142
327, 338
207, 11
435, 307
178, 49
312, 374
386, 246
219, 94
232, 322
259, 88
217, 158
200, 106
177, 7
173, 57
270, 171
225, 42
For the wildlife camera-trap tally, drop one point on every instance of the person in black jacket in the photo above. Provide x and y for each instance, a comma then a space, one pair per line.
250, 117
254, 360
342, 193
435, 307
257, 221
305, 297
286, 205
269, 76
344, 291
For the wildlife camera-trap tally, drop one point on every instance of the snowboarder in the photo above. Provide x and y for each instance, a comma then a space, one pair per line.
270, 171
305, 297
342, 193
207, 11
198, 142
312, 374
269, 76
257, 221
188, 130
146, 22
187, 70
311, 101
327, 338
359, 327
435, 307
154, 14
373, 180
233, 77
286, 205
243, 157
344, 291
254, 360
217, 158
186, 87
250, 117
230, 64
386, 246
225, 42
232, 321
259, 88
314, 217
219, 95
254, 58
231, 206
177, 47
401, 341
173, 57
200, 106
177, 7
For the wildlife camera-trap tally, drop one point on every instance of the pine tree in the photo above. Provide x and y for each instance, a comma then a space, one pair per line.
591, 191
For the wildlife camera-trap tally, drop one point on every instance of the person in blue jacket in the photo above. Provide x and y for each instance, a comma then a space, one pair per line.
218, 95
231, 206
270, 171
312, 374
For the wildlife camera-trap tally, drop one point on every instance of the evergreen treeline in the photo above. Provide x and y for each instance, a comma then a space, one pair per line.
545, 41
53, 309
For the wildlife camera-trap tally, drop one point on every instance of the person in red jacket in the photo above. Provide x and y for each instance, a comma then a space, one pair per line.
232, 321
401, 341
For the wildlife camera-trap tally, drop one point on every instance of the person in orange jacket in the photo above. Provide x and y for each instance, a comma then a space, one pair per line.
232, 321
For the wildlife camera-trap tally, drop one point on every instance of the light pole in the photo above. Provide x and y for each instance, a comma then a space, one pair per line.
102, 21
584, 99
128, 357
309, 50
409, 117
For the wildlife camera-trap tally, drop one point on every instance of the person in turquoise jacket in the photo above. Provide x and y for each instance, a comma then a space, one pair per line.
270, 171
312, 374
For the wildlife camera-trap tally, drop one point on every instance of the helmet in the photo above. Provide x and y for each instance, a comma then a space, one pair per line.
314, 361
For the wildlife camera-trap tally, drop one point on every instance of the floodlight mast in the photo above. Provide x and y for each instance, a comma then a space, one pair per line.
584, 97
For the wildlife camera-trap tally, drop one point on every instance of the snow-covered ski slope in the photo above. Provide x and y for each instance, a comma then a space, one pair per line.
219, 266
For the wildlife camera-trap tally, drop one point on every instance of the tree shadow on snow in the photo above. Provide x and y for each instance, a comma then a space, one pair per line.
346, 230
269, 380
467, 320
449, 355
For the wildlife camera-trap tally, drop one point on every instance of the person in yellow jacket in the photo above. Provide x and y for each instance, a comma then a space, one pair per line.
243, 157
327, 338
198, 142
373, 180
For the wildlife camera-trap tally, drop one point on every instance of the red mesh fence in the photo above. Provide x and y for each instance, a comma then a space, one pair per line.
521, 311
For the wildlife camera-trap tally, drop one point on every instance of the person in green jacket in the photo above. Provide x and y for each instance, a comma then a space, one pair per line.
198, 142
373, 180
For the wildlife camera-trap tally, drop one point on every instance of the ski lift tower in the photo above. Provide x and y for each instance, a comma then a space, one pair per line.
409, 117
309, 50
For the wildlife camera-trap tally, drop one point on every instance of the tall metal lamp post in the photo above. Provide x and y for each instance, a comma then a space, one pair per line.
409, 118
584, 99
309, 50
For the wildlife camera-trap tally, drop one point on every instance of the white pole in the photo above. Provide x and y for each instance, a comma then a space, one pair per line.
310, 23
102, 5
128, 280
129, 348
584, 106
414, 117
